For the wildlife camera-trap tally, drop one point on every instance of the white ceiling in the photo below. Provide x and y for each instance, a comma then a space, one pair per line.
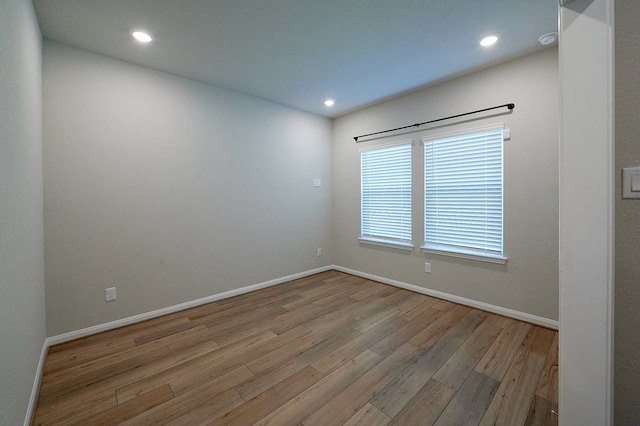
300, 52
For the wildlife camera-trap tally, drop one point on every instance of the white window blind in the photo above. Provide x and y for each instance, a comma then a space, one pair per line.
463, 193
386, 194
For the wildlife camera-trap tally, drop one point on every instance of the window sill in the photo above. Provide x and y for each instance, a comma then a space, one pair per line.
464, 254
387, 243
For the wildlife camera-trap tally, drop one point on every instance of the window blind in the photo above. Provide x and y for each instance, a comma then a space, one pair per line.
386, 194
463, 193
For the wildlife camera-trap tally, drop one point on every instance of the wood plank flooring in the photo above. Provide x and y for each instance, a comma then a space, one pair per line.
329, 349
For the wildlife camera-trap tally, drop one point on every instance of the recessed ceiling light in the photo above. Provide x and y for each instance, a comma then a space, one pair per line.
489, 41
141, 36
329, 102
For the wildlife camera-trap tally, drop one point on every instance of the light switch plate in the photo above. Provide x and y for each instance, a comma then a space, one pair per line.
110, 294
631, 182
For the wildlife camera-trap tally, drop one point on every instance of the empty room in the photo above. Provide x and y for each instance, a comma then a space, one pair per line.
308, 212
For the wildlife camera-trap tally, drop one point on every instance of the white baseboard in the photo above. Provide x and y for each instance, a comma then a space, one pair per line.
31, 408
61, 338
522, 316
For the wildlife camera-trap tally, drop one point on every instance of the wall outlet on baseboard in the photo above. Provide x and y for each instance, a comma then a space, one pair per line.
427, 268
318, 252
110, 294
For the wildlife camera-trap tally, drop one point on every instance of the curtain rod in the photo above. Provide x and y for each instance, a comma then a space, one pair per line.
510, 106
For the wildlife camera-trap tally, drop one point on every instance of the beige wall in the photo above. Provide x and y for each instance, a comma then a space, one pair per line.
171, 190
22, 320
627, 234
529, 281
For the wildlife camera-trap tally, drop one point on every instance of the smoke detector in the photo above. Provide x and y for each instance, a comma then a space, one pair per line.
548, 38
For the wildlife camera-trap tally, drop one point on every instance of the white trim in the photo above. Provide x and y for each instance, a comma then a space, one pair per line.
440, 180
382, 145
386, 243
587, 219
462, 131
482, 257
61, 338
611, 256
522, 316
31, 408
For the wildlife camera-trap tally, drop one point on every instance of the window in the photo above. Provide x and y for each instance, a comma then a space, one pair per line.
386, 195
463, 195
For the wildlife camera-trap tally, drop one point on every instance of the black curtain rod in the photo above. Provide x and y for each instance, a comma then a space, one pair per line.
510, 106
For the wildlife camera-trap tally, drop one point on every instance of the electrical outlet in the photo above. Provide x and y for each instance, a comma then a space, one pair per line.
427, 268
110, 294
318, 252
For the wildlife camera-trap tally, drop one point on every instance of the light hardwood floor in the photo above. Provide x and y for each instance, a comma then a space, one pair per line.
330, 349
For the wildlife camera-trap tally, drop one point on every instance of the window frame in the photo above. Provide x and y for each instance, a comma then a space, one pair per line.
454, 250
380, 240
